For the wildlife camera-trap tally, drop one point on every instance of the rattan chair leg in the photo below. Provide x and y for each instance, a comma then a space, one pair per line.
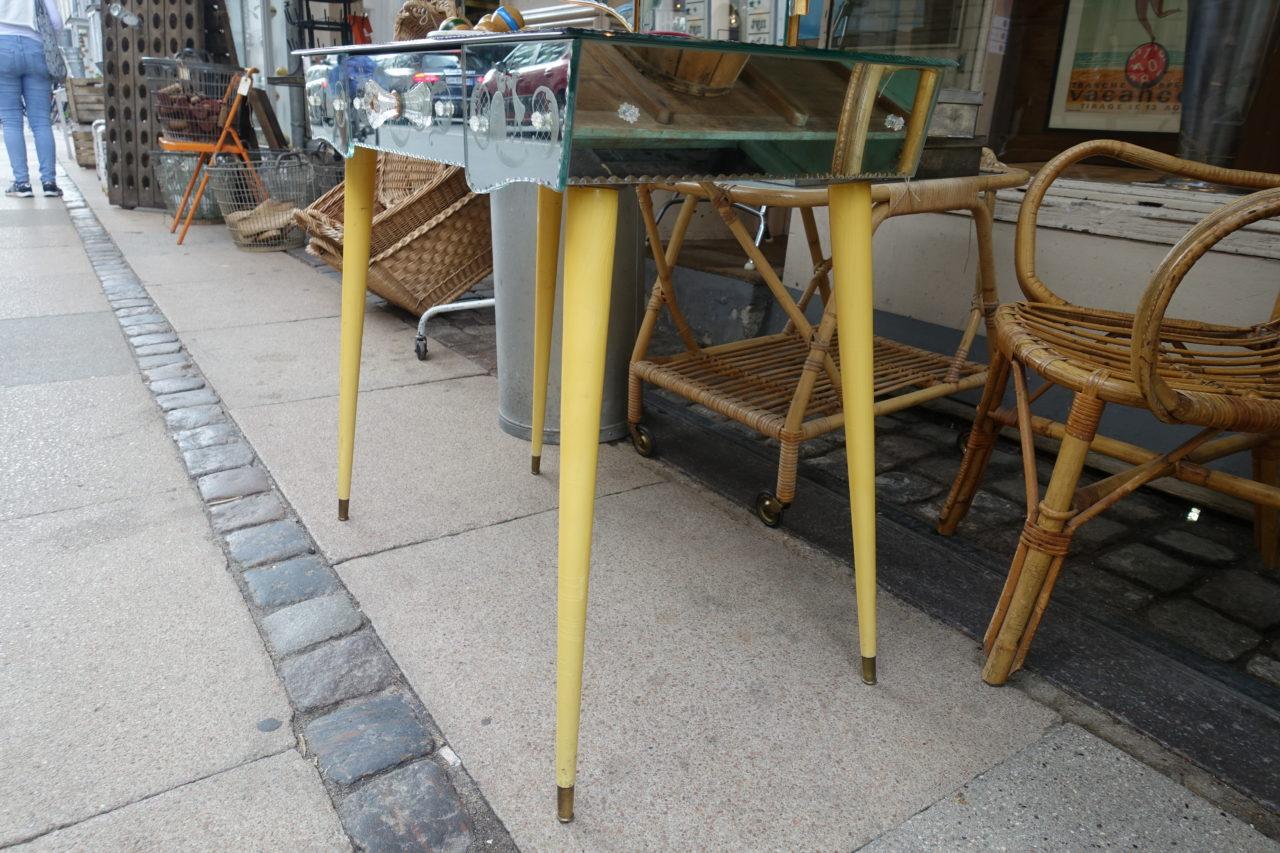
1042, 602
635, 398
821, 265
664, 260
819, 353
1266, 520
1043, 541
978, 450
788, 460
985, 298
662, 294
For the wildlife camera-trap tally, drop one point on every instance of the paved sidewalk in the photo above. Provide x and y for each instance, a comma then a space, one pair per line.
138, 708
721, 709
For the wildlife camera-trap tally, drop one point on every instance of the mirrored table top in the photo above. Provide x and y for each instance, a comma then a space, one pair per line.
577, 107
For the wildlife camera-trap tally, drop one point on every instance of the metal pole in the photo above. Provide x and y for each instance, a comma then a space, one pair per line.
1226, 48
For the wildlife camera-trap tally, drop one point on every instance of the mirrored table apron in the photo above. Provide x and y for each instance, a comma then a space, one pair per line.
584, 114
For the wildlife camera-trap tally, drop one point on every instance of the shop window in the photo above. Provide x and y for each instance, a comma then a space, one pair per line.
1077, 70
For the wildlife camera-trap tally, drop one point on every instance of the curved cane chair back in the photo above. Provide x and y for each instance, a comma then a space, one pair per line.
1025, 240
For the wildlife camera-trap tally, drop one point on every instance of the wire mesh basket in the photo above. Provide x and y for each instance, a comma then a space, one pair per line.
172, 171
258, 199
328, 174
190, 99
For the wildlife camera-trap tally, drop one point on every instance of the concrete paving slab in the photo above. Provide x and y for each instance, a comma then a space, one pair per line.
19, 206
112, 687
109, 444
33, 236
1071, 791
16, 216
141, 232
299, 295
35, 293
166, 263
722, 705
60, 347
278, 362
275, 803
420, 471
73, 262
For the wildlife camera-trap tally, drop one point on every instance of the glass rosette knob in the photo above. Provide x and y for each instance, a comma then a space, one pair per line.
380, 105
416, 107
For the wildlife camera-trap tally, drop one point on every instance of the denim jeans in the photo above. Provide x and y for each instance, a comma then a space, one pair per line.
25, 86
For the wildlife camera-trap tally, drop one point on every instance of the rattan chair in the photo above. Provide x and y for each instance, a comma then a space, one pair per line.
785, 386
1224, 379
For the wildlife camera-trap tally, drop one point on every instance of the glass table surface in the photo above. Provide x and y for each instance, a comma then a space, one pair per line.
587, 107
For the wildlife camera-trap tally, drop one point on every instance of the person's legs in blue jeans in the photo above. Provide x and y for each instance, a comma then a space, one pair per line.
12, 66
37, 95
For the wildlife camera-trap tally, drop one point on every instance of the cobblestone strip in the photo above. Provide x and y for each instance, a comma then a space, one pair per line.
393, 779
1161, 564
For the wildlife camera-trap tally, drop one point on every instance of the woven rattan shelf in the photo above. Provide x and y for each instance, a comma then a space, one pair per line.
754, 381
786, 385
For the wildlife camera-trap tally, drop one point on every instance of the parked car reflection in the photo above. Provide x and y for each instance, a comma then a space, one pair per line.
523, 94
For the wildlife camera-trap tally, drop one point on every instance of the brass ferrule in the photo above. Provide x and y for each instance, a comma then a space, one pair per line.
564, 804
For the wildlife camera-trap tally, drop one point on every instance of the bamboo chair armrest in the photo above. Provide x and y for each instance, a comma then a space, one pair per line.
1166, 403
1025, 240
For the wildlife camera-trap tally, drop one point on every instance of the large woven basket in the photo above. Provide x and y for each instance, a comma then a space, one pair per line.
430, 241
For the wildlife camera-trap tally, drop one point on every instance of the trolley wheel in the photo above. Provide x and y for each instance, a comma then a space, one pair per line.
962, 441
642, 441
769, 509
420, 348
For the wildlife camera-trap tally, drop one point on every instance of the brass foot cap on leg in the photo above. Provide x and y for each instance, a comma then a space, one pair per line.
868, 670
564, 804
344, 505
536, 466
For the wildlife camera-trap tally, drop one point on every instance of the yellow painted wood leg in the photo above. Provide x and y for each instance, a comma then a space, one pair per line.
851, 230
357, 222
544, 309
588, 274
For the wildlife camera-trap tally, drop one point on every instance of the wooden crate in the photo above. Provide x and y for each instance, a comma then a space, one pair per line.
86, 99
82, 142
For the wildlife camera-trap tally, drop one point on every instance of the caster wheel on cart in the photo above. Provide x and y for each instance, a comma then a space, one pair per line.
420, 348
642, 441
769, 509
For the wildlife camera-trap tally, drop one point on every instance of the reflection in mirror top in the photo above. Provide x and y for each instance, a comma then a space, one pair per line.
587, 107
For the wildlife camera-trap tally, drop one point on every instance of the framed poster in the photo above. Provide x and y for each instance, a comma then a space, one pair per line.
1120, 66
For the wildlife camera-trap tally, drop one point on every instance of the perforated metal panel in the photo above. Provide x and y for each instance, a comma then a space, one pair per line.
164, 28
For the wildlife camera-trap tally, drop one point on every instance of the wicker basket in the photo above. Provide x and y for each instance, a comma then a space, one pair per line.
430, 241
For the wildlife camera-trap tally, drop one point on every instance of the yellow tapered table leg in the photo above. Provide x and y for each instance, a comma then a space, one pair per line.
357, 217
544, 308
851, 231
588, 274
